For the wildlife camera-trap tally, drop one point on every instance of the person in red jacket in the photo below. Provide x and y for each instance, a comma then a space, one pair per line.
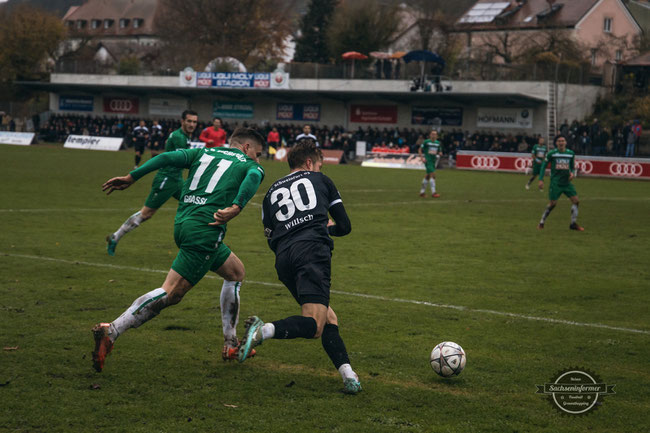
214, 136
272, 140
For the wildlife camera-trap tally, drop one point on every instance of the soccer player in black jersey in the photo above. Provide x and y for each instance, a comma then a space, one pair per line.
296, 223
139, 136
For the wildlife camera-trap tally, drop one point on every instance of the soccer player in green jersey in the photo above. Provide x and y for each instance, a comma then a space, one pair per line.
562, 161
220, 183
538, 154
166, 184
432, 151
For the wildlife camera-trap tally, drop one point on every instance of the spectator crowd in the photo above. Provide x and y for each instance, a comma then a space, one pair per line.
582, 138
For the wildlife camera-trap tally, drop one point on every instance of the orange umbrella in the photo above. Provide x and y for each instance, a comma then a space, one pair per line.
398, 55
353, 55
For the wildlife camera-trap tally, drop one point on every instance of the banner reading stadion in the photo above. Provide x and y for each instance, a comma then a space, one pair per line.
597, 166
260, 80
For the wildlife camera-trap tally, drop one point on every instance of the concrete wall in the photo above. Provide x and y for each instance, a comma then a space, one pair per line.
576, 101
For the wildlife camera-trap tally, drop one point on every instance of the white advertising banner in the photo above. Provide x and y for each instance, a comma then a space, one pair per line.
93, 143
167, 106
520, 118
19, 138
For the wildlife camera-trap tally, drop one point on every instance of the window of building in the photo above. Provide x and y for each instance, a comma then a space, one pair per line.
81, 24
108, 24
619, 55
593, 57
94, 24
70, 23
137, 23
607, 25
124, 23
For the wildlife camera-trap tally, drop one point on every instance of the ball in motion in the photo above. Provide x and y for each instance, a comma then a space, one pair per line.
448, 359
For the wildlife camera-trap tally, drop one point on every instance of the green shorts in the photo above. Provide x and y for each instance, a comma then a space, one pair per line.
430, 166
200, 250
536, 168
162, 189
555, 191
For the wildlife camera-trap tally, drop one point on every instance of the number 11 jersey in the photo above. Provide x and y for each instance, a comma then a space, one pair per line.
296, 209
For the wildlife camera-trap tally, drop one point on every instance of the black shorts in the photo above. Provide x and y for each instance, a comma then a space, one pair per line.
305, 268
139, 147
156, 145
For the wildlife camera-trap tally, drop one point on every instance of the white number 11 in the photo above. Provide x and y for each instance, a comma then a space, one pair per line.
222, 166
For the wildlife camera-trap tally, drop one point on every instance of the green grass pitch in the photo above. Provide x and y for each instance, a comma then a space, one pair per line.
469, 267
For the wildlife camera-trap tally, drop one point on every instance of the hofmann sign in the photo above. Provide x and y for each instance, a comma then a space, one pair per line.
519, 118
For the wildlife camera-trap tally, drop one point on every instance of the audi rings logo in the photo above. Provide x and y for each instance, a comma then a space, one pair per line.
626, 169
485, 162
584, 166
121, 105
521, 164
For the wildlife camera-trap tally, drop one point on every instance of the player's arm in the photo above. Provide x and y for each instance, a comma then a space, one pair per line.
266, 220
205, 136
340, 224
247, 190
572, 168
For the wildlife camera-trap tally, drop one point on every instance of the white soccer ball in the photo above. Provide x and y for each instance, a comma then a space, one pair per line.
448, 359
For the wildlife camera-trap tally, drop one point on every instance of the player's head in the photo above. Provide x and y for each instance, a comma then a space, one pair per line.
142, 123
306, 129
560, 142
248, 140
540, 140
216, 122
189, 119
433, 135
305, 156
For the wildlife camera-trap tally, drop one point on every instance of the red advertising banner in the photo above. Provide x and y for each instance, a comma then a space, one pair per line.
597, 166
332, 156
373, 113
122, 104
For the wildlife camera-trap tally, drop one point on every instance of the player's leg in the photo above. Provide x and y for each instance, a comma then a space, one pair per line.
432, 183
575, 201
335, 349
423, 188
131, 223
535, 174
547, 211
138, 154
143, 309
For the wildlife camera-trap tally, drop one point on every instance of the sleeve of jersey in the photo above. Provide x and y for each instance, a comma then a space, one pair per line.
343, 225
573, 164
167, 159
249, 186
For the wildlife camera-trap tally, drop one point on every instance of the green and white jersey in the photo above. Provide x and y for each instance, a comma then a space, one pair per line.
539, 153
562, 164
431, 150
218, 178
177, 140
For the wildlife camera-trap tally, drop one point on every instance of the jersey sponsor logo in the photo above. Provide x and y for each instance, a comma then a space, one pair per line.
239, 156
485, 162
521, 164
584, 166
195, 200
299, 221
562, 164
626, 169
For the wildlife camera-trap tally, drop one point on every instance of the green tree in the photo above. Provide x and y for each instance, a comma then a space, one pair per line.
363, 26
129, 65
311, 46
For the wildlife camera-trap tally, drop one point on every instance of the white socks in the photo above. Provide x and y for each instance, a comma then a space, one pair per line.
347, 372
432, 182
424, 186
132, 222
230, 308
574, 213
144, 308
268, 330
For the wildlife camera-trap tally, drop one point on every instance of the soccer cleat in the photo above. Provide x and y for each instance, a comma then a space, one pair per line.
252, 338
229, 352
576, 227
527, 186
103, 345
540, 226
111, 244
435, 195
352, 385
422, 194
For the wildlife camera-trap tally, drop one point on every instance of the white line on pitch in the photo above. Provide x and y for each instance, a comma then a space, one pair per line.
347, 204
359, 295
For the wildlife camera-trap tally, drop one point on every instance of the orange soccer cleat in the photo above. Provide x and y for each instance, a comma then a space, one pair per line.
103, 345
435, 195
230, 353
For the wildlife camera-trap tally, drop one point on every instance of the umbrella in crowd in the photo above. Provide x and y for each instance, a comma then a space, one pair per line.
380, 55
353, 55
423, 56
398, 54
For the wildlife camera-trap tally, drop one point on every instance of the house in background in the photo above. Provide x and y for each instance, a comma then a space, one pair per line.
602, 30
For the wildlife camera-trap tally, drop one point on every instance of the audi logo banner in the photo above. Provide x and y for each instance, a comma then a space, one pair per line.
597, 166
121, 104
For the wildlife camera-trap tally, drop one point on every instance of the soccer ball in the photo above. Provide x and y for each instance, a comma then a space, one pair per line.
448, 359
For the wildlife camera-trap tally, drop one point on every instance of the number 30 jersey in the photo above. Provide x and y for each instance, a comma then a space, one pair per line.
296, 209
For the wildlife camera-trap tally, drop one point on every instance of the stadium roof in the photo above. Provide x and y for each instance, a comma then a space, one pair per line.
446, 97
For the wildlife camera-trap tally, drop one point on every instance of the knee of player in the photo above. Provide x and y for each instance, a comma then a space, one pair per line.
331, 317
146, 213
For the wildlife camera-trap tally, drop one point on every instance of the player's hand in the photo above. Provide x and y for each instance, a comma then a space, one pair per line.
540, 185
222, 216
571, 176
330, 223
118, 183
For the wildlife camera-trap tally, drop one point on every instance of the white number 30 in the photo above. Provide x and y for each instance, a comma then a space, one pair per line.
290, 199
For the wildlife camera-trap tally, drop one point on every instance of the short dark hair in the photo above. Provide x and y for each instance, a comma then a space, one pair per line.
242, 134
190, 113
302, 151
557, 137
217, 118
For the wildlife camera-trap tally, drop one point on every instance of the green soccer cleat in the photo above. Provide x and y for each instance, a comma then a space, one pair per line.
351, 386
252, 338
110, 247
